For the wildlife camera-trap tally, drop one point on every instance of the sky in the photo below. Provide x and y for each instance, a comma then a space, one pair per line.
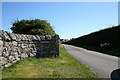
69, 19
60, 0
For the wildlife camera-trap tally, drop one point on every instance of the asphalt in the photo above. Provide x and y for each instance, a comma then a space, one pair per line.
101, 64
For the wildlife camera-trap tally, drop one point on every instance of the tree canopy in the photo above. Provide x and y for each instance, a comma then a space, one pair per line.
34, 27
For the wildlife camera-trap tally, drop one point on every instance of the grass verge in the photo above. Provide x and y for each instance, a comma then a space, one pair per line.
64, 66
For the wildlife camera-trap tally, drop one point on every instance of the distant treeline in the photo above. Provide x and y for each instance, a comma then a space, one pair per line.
110, 36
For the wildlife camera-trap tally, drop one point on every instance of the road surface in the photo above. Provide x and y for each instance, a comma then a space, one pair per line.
101, 64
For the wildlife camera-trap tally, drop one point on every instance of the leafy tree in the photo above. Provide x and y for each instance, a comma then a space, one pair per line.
34, 27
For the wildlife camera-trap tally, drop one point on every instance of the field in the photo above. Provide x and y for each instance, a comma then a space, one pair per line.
64, 66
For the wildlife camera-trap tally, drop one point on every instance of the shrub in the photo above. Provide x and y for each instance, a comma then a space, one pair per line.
34, 27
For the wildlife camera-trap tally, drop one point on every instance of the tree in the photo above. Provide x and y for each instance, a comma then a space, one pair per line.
34, 27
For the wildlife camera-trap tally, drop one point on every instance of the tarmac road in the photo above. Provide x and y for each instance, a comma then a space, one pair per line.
102, 64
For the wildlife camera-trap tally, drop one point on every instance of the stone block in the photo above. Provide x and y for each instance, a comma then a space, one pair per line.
5, 54
11, 59
14, 43
31, 55
1, 43
23, 55
13, 36
8, 64
34, 38
38, 37
18, 59
24, 45
18, 37
47, 37
27, 37
14, 61
3, 60
5, 49
14, 54
1, 50
6, 36
42, 38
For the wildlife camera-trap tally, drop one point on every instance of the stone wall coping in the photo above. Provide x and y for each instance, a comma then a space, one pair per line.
23, 37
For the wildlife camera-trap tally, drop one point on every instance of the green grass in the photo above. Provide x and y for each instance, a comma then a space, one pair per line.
64, 66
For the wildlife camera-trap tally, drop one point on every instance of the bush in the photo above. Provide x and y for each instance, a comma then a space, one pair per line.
109, 35
106, 41
34, 27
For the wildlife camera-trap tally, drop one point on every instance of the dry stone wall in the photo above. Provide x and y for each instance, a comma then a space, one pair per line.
14, 47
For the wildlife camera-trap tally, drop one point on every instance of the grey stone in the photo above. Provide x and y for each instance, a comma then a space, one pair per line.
34, 38
3, 60
14, 54
30, 37
1, 50
38, 37
14, 47
19, 50
42, 38
23, 37
14, 61
14, 43
5, 54
1, 43
5, 49
18, 59
11, 59
8, 64
6, 36
32, 54
48, 37
23, 45
18, 37
23, 55
13, 36
0, 38
1, 34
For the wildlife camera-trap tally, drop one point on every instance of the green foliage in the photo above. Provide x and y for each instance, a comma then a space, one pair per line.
34, 27
93, 40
